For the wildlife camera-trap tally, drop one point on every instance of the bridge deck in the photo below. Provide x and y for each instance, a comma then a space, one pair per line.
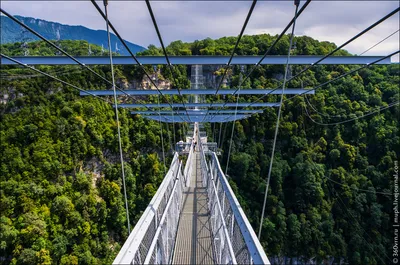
193, 242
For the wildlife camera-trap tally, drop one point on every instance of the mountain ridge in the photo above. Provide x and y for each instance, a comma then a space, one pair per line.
12, 32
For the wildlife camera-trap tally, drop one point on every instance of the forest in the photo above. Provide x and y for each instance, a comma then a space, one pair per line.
330, 194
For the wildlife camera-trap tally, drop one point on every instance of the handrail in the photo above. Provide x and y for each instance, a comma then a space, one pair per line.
213, 189
254, 246
129, 250
218, 183
226, 233
162, 223
188, 166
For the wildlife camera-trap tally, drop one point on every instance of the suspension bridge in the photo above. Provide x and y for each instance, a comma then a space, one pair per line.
195, 217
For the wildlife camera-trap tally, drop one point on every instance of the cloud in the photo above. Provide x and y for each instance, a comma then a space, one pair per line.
334, 21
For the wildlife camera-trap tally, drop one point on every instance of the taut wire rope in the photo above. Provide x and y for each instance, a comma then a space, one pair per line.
52, 77
353, 119
376, 44
161, 134
117, 118
233, 129
278, 119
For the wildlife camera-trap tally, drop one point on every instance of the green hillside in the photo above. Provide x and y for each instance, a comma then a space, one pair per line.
61, 200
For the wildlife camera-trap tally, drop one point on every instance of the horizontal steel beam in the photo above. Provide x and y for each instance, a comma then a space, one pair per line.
209, 118
197, 112
193, 115
200, 105
289, 91
195, 59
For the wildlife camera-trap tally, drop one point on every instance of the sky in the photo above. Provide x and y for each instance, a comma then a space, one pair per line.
335, 21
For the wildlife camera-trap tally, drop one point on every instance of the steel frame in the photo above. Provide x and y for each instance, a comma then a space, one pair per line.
192, 60
290, 91
130, 251
200, 105
197, 118
215, 177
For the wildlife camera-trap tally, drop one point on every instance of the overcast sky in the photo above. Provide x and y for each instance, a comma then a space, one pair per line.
334, 21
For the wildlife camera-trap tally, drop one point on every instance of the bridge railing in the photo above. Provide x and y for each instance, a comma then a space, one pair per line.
155, 220
222, 244
235, 241
189, 162
162, 247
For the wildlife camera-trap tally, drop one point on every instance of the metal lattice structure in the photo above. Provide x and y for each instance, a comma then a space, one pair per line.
193, 60
240, 243
154, 238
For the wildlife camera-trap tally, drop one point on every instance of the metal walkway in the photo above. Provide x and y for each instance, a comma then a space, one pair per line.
194, 240
194, 217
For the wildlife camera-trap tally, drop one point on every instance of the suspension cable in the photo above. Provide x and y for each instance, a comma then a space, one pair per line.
233, 129
52, 77
376, 44
267, 52
117, 118
53, 45
219, 138
237, 43
341, 76
353, 119
344, 75
278, 118
233, 52
224, 134
323, 114
161, 134
333, 51
12, 76
230, 142
65, 53
130, 52
328, 55
351, 187
213, 131
170, 66
358, 224
173, 122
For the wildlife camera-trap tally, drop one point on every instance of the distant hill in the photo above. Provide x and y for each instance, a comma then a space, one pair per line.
12, 32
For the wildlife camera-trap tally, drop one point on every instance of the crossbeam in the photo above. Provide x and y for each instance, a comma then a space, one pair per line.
197, 112
196, 59
197, 118
289, 91
200, 105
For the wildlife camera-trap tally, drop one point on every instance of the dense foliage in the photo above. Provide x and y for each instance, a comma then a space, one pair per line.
330, 194
61, 198
61, 192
